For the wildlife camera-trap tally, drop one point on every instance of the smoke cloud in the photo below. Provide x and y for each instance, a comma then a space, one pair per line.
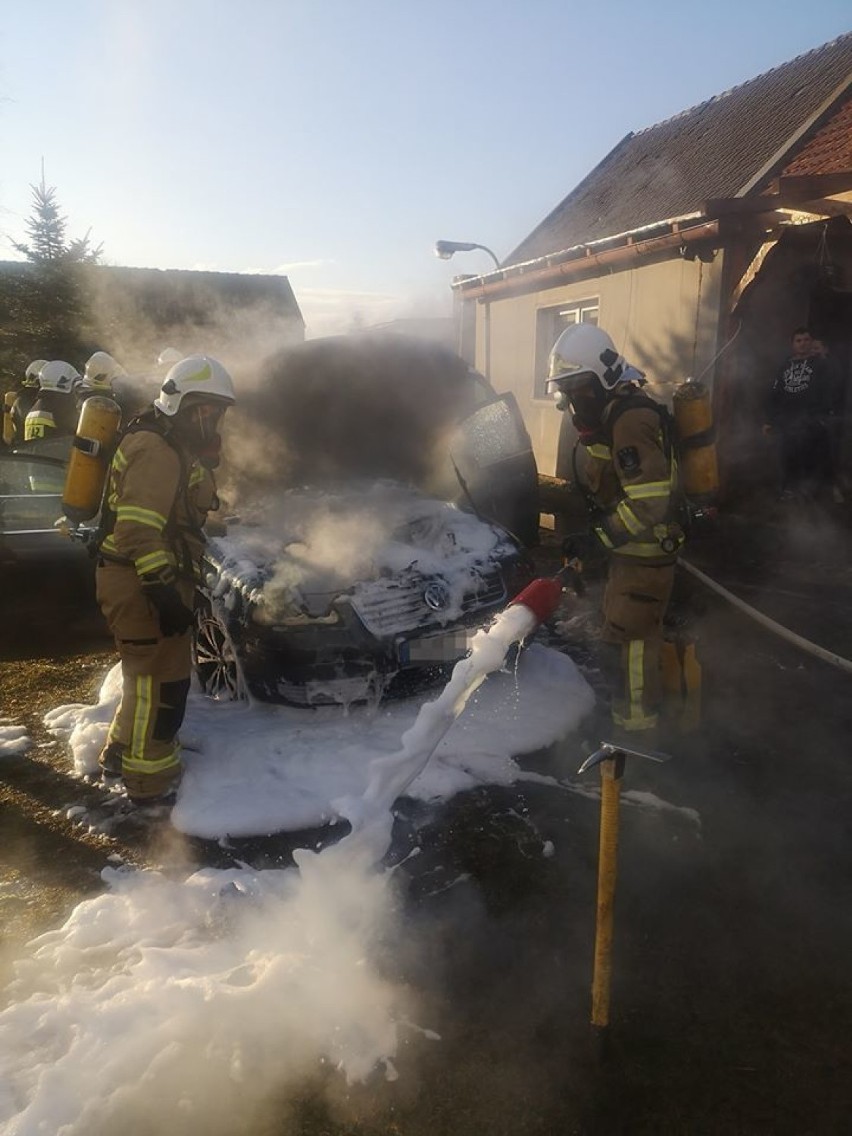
348, 407
201, 1006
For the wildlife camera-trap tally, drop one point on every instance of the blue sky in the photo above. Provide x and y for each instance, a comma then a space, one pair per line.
336, 140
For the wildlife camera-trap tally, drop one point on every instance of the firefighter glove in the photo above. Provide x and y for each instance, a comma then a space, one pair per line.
582, 546
175, 617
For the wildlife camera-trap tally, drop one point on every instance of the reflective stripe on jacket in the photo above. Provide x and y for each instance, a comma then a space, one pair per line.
159, 499
39, 424
634, 481
21, 407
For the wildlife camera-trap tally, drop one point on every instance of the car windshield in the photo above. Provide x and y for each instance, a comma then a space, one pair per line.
30, 493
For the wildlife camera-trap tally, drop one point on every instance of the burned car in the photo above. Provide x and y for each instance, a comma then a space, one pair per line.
343, 596
385, 496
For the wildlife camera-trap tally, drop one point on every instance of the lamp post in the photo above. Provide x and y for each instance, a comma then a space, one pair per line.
444, 250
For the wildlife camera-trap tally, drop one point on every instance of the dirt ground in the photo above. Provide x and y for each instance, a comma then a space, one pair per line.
732, 1002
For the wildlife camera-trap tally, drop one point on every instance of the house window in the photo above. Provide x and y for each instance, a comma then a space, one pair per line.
550, 322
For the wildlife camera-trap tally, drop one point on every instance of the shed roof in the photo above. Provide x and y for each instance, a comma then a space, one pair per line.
235, 287
713, 150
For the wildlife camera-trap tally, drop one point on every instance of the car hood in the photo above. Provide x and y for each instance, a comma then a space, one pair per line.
306, 548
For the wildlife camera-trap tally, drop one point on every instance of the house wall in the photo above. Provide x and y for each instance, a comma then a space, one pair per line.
663, 316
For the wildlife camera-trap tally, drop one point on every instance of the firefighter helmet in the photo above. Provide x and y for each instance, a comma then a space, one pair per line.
169, 356
32, 372
57, 375
101, 371
198, 375
583, 350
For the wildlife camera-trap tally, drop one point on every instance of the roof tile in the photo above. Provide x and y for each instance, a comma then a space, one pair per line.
711, 150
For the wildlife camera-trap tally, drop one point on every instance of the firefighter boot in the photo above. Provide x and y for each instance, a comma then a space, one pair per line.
153, 788
110, 759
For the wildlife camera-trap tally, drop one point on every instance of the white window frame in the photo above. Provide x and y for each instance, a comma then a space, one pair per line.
550, 323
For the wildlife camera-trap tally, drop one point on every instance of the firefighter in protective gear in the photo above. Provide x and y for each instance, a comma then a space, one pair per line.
630, 481
25, 400
159, 491
54, 412
99, 374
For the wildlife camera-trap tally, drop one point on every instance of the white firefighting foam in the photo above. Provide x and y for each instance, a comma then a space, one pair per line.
389, 777
189, 1006
255, 769
308, 545
181, 1007
14, 739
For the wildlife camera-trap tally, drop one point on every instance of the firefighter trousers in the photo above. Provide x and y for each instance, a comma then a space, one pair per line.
635, 602
155, 677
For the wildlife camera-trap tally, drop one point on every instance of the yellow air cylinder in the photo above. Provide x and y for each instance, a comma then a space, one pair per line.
97, 429
8, 424
693, 414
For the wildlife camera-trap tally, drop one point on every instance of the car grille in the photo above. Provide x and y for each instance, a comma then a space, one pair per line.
389, 607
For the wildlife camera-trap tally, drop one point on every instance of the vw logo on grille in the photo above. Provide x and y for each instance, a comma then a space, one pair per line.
437, 595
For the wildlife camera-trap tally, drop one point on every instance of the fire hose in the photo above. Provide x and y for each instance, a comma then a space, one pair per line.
770, 624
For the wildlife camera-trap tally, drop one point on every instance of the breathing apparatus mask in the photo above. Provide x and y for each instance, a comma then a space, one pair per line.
196, 425
585, 371
585, 398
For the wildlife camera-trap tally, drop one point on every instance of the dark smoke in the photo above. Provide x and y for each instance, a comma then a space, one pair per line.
349, 407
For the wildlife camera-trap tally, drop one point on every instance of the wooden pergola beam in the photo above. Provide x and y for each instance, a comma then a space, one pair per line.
748, 206
784, 193
826, 207
811, 186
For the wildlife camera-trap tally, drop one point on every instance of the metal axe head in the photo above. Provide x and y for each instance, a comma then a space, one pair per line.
610, 749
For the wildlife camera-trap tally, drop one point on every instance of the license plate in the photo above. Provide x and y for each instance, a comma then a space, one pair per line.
446, 648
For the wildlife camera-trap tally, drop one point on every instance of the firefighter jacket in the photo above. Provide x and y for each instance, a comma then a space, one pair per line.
157, 499
52, 414
21, 407
631, 477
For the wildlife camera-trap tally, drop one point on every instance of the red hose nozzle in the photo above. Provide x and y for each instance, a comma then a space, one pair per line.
541, 597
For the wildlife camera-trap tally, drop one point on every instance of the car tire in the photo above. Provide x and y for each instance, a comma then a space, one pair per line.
217, 668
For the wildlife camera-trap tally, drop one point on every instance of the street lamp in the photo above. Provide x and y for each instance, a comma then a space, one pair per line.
444, 250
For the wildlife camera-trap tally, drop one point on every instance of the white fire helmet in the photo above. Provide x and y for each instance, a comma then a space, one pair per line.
197, 375
168, 356
57, 375
101, 371
585, 349
32, 372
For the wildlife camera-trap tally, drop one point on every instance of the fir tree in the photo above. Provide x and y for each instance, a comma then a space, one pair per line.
44, 304
47, 228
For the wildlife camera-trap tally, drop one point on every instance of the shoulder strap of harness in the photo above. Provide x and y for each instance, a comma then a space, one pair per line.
146, 420
639, 401
678, 505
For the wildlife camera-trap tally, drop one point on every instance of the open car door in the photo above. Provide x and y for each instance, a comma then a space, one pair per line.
493, 459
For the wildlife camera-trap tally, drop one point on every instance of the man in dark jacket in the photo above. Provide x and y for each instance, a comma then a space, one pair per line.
799, 407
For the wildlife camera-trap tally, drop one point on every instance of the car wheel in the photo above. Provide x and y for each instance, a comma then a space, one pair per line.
214, 658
